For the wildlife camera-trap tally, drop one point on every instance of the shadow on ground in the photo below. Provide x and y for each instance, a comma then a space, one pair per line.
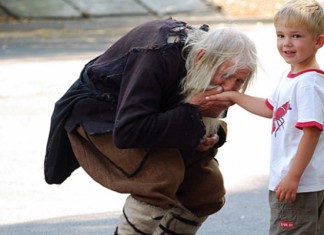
245, 213
77, 225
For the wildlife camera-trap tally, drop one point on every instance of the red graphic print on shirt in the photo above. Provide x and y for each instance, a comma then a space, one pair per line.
278, 117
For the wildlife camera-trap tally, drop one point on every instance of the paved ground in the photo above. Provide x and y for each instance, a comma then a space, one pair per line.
39, 61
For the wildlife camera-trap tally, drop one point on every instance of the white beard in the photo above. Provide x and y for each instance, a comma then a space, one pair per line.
211, 124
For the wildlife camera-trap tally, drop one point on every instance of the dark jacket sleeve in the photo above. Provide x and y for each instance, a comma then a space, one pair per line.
148, 115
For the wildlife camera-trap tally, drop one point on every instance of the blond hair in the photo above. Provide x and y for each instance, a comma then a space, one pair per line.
303, 12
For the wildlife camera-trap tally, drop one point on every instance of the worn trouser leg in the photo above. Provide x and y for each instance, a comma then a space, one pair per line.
179, 220
161, 179
151, 177
201, 178
202, 191
139, 218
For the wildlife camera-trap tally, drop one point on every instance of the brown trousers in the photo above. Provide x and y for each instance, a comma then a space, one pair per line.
159, 178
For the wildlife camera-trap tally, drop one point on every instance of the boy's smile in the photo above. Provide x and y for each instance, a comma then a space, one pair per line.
296, 45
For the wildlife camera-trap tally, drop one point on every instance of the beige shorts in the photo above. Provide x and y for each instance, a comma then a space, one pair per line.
301, 217
159, 177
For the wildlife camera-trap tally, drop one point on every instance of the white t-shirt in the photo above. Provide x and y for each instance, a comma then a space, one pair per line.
297, 102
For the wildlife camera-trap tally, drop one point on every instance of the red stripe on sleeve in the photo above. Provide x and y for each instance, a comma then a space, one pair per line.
301, 125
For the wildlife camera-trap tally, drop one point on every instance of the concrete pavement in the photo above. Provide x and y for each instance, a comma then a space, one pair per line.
245, 213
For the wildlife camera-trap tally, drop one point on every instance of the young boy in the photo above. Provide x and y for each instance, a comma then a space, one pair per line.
296, 187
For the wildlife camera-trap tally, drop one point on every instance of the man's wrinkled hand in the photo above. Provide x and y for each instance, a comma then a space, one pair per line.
207, 143
210, 108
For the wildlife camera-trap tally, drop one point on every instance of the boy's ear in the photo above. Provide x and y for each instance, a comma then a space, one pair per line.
320, 41
199, 55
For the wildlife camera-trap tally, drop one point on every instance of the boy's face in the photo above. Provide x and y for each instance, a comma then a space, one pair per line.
296, 45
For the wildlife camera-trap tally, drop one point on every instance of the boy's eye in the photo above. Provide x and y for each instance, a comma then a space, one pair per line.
280, 35
296, 36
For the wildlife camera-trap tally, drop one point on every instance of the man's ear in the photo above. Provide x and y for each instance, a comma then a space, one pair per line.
199, 55
320, 41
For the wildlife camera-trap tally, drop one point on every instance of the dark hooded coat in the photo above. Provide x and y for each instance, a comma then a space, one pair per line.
133, 91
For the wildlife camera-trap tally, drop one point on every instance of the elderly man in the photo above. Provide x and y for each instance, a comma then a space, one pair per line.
137, 122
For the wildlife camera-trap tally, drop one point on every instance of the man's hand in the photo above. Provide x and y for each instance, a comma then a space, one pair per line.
210, 108
207, 143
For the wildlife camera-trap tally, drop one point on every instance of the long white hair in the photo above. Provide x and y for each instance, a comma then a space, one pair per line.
220, 45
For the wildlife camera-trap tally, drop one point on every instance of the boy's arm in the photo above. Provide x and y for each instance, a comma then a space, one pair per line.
287, 188
252, 104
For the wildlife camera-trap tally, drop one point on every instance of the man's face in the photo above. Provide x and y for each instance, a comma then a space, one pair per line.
228, 80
